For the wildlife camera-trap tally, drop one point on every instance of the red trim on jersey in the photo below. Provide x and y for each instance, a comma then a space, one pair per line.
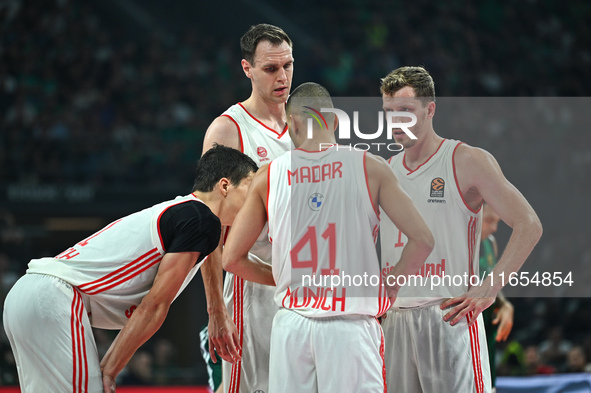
226, 234
453, 161
149, 263
239, 322
268, 189
375, 208
390, 160
471, 244
383, 300
122, 274
426, 161
261, 123
239, 132
469, 238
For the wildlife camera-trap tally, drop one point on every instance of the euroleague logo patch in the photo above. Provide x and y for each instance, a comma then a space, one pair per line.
262, 152
437, 187
315, 201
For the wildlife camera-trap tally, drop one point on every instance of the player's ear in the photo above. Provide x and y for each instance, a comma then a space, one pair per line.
335, 122
431, 109
292, 125
247, 68
224, 185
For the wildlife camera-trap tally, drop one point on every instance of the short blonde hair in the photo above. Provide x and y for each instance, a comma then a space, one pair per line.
416, 77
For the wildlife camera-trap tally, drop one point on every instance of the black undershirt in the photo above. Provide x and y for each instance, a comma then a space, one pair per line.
190, 226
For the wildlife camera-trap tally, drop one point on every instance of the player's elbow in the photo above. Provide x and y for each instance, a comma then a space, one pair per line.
428, 242
230, 261
535, 227
425, 241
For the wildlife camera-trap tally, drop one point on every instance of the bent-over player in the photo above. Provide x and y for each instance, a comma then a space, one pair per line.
124, 276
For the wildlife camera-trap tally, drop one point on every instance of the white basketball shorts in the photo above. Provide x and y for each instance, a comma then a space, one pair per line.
425, 354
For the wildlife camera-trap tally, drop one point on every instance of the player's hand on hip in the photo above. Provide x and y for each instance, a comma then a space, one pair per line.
223, 338
504, 319
109, 384
473, 302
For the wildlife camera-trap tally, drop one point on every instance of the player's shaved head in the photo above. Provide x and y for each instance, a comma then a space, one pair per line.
311, 95
261, 32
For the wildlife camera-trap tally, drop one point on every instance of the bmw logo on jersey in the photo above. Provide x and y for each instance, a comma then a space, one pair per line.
315, 201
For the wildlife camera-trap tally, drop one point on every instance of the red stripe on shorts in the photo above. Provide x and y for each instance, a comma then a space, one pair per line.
476, 366
238, 321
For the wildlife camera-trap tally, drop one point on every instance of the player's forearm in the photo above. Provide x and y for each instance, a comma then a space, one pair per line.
250, 269
412, 258
526, 234
144, 322
213, 282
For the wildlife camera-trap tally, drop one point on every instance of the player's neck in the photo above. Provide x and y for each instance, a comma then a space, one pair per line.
422, 150
214, 203
270, 113
317, 144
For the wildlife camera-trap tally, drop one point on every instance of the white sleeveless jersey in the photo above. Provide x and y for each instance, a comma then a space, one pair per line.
113, 283
434, 189
323, 227
262, 144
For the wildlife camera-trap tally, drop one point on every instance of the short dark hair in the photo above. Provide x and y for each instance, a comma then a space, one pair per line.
416, 77
312, 95
221, 161
261, 32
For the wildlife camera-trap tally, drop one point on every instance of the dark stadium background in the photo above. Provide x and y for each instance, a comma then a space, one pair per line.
104, 105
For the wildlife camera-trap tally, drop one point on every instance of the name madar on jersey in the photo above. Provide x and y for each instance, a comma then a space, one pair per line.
315, 173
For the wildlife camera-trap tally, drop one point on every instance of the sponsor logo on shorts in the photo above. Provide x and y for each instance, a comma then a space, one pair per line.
315, 201
437, 187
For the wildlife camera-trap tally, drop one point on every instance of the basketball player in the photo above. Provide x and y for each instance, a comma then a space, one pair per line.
321, 206
501, 312
124, 276
434, 343
257, 127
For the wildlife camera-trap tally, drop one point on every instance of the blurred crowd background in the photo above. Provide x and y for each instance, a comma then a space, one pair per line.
104, 105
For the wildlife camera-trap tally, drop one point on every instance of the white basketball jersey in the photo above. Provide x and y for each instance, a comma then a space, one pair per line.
323, 227
113, 283
434, 189
262, 144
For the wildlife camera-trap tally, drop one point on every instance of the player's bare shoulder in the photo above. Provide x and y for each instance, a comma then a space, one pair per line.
477, 172
259, 182
378, 169
466, 156
223, 131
